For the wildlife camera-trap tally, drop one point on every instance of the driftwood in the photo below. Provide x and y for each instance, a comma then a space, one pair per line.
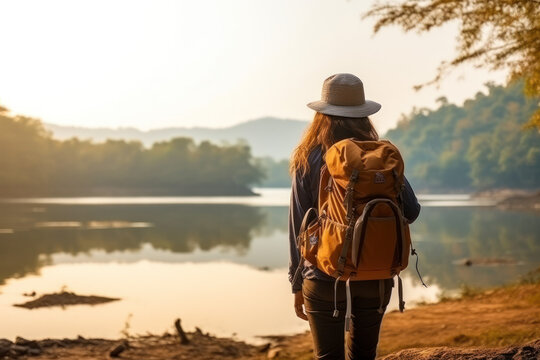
183, 338
119, 349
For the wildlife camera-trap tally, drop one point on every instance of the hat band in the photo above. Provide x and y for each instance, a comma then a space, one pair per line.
343, 95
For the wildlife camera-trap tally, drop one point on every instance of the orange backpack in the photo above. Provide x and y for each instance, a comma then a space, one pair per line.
358, 231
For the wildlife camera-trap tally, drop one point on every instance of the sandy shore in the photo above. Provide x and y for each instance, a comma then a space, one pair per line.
504, 320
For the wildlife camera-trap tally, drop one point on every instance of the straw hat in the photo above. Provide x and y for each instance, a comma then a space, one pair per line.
343, 95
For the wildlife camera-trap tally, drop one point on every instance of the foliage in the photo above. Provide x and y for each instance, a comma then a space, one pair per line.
497, 34
532, 277
277, 172
33, 163
478, 145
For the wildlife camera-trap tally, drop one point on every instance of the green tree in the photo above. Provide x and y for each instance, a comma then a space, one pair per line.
477, 145
33, 163
497, 34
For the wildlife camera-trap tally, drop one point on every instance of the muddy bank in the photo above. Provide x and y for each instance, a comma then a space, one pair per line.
65, 298
500, 323
525, 202
167, 346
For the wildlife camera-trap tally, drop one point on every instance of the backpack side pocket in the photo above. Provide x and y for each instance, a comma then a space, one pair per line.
310, 241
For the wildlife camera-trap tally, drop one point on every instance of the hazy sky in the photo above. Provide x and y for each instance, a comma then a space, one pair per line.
151, 64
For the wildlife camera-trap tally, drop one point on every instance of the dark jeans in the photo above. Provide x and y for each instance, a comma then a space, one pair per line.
329, 332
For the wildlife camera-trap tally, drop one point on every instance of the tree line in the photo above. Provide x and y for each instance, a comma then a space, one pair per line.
480, 145
32, 163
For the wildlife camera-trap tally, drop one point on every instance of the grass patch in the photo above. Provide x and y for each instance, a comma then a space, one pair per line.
469, 292
532, 277
494, 338
502, 337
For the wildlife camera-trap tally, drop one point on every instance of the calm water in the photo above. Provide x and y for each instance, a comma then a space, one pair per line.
219, 263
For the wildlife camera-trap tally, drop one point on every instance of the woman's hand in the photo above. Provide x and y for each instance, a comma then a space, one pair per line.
299, 305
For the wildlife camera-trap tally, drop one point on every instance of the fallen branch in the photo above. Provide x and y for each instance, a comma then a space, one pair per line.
119, 349
183, 338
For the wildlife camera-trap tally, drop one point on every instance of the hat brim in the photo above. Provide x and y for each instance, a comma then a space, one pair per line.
358, 111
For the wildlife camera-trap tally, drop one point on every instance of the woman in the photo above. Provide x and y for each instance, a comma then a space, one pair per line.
341, 113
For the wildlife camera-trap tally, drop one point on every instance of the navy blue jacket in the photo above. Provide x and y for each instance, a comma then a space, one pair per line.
304, 194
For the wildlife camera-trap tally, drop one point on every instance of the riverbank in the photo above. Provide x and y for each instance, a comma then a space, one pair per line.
475, 323
127, 191
512, 199
493, 318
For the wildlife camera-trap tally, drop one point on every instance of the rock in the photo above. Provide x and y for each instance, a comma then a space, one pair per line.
486, 261
230, 350
5, 345
29, 343
524, 352
34, 352
20, 340
68, 341
5, 342
50, 343
19, 349
274, 353
265, 347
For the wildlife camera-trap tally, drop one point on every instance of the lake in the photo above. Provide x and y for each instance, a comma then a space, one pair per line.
218, 263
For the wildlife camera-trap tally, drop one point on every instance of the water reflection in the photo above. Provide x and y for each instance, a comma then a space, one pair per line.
175, 259
198, 232
446, 235
35, 236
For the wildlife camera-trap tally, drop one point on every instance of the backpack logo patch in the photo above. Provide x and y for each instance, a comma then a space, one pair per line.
379, 178
313, 239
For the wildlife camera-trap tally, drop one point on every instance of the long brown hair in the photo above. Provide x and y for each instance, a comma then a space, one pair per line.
325, 130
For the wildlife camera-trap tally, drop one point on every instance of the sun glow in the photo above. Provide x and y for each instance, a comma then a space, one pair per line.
152, 64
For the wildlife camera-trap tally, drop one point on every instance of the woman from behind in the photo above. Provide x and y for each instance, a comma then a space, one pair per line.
342, 113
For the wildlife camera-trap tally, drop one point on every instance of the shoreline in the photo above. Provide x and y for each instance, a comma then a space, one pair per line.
129, 192
512, 199
499, 320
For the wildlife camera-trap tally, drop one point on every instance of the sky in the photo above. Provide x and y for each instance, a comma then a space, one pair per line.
212, 63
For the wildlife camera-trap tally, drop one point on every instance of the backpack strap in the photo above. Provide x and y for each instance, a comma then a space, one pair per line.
349, 195
413, 252
400, 293
336, 311
348, 313
348, 203
360, 229
305, 221
380, 310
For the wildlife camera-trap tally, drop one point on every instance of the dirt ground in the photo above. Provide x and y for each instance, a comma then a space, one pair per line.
505, 317
495, 318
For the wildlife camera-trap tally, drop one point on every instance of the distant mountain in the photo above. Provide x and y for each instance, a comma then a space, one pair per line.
267, 136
